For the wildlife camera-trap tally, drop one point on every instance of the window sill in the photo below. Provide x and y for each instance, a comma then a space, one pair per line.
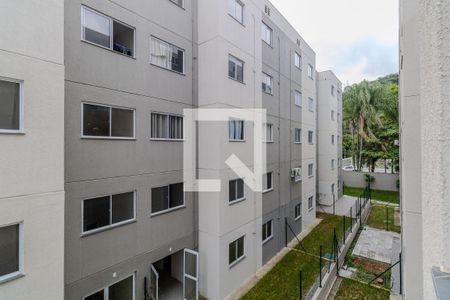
163, 212
241, 82
310, 209
298, 143
12, 132
268, 190
269, 142
268, 93
298, 218
236, 261
182, 7
11, 277
107, 138
166, 140
162, 68
298, 105
230, 203
106, 228
241, 23
236, 141
110, 50
267, 43
267, 240
310, 176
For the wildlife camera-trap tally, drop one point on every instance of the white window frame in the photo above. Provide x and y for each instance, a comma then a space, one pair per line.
271, 33
265, 138
99, 137
332, 90
21, 129
312, 170
152, 37
111, 31
236, 61
20, 271
332, 115
298, 96
264, 231
297, 60
299, 131
240, 258
311, 141
310, 71
240, 3
174, 2
168, 122
333, 164
271, 176
270, 78
311, 104
106, 288
332, 139
298, 209
243, 130
236, 191
110, 226
170, 209
310, 207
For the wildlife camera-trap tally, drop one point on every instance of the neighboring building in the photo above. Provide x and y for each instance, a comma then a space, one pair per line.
32, 150
329, 93
424, 148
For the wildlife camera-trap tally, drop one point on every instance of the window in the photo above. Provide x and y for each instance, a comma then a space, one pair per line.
268, 132
236, 190
298, 136
338, 117
332, 115
311, 104
338, 140
298, 98
236, 251
236, 10
165, 126
107, 32
298, 211
310, 137
167, 56
266, 33
332, 139
332, 90
108, 211
166, 198
267, 232
332, 164
267, 86
297, 60
11, 101
122, 290
310, 202
310, 170
10, 251
236, 130
107, 121
235, 68
310, 72
180, 3
268, 182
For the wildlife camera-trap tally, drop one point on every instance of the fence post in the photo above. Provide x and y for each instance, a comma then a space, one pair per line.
387, 218
343, 229
301, 287
351, 219
400, 268
285, 232
320, 266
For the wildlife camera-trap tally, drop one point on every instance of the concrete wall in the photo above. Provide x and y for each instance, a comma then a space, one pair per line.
384, 182
32, 169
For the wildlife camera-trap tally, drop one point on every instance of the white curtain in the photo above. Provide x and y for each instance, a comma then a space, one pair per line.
160, 53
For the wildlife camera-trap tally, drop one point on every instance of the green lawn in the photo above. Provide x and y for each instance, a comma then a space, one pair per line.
378, 216
386, 196
282, 282
350, 289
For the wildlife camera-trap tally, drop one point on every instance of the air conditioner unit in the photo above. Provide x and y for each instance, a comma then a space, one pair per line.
296, 174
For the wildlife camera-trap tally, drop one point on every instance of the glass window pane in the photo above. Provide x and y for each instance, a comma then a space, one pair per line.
177, 60
176, 195
96, 120
231, 69
122, 290
97, 28
9, 249
122, 207
240, 247
122, 122
100, 295
9, 105
232, 252
96, 213
232, 190
123, 39
269, 180
240, 187
160, 199
240, 72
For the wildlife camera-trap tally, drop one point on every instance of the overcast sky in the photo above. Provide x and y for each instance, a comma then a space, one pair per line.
357, 39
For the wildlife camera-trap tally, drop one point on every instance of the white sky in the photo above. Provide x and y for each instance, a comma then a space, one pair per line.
357, 39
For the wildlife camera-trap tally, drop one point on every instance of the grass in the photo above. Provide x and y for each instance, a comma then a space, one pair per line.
377, 218
385, 196
350, 289
282, 281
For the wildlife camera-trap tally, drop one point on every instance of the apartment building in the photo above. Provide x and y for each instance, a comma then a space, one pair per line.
31, 150
329, 150
424, 144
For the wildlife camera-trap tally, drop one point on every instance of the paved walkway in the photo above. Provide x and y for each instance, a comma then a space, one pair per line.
376, 244
342, 206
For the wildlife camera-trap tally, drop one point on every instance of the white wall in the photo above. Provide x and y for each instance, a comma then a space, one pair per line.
384, 182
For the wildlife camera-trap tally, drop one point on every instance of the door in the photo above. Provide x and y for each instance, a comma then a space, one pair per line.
190, 275
154, 277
